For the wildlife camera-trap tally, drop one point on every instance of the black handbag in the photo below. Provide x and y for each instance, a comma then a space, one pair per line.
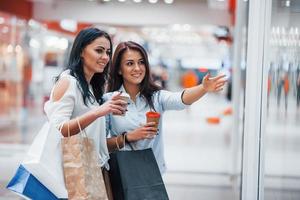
135, 175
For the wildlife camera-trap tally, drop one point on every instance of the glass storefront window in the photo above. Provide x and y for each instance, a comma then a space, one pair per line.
282, 129
11, 61
30, 56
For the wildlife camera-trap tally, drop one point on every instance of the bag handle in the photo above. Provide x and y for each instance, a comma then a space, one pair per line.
68, 130
61, 127
131, 146
81, 131
85, 136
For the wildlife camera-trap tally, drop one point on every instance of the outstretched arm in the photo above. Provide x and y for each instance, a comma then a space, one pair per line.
209, 84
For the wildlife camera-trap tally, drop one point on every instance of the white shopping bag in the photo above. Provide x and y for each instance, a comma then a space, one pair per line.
44, 160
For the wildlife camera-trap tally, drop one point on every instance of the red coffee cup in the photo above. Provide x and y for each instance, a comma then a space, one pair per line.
153, 117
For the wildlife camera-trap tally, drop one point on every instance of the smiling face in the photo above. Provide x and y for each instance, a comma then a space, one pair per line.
133, 68
95, 56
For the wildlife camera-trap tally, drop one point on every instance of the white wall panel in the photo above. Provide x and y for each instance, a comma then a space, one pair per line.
192, 12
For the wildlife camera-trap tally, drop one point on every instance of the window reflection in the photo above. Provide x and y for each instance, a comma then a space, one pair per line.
282, 165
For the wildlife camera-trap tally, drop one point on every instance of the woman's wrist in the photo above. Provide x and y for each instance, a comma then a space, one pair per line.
124, 134
96, 113
128, 137
203, 88
99, 112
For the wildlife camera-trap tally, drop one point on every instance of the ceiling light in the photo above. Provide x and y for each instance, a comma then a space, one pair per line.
10, 48
137, 1
169, 1
68, 24
34, 43
153, 1
121, 0
287, 3
2, 20
105, 0
18, 49
33, 24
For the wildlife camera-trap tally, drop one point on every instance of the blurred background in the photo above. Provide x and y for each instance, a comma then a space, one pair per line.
208, 146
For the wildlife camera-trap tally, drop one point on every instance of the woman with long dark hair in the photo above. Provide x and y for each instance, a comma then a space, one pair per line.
77, 94
130, 73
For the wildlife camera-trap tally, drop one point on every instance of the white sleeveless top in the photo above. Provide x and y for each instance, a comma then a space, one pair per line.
70, 106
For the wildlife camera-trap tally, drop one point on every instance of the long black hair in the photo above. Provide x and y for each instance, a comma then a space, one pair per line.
147, 86
75, 65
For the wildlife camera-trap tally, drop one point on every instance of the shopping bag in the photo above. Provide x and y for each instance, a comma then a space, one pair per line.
44, 160
82, 169
135, 175
27, 186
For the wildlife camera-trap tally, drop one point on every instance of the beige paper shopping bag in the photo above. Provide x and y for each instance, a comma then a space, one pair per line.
82, 170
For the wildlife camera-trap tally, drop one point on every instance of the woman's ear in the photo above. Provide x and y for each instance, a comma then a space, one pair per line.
81, 55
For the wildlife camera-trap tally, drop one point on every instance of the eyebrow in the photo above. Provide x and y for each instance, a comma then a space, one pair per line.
133, 60
102, 47
128, 60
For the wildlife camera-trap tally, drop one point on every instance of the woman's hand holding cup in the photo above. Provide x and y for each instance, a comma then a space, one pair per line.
121, 99
146, 131
120, 102
115, 105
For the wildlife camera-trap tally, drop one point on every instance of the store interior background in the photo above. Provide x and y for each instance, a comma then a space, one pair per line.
185, 39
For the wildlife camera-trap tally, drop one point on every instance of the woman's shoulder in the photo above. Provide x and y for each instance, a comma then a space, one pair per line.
157, 93
66, 82
67, 75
